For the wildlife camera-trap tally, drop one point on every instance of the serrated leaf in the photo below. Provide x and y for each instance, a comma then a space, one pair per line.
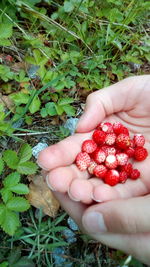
35, 105
6, 194
11, 159
11, 179
1, 165
50, 108
10, 222
25, 153
2, 211
68, 6
18, 204
65, 101
27, 167
4, 42
20, 189
5, 30
43, 112
69, 110
59, 109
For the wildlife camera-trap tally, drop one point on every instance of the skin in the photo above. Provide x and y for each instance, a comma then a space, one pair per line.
121, 220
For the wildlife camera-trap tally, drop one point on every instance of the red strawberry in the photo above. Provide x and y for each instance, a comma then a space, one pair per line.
123, 141
140, 153
99, 137
119, 128
110, 139
100, 171
130, 152
123, 176
127, 168
99, 155
111, 162
132, 144
139, 140
82, 161
109, 150
135, 174
112, 177
91, 167
89, 146
122, 158
106, 127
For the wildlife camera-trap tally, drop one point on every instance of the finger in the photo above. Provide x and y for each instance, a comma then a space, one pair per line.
74, 209
119, 216
112, 99
62, 153
60, 178
136, 245
81, 190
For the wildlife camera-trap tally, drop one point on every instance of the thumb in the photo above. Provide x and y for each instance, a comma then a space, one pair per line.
119, 216
107, 101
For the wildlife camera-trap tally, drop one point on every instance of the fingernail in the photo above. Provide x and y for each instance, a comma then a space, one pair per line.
48, 183
73, 198
41, 166
94, 222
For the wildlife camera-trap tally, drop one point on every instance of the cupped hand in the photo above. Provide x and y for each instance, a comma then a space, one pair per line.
120, 224
127, 102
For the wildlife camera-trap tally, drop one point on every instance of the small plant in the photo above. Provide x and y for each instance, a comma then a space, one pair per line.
11, 203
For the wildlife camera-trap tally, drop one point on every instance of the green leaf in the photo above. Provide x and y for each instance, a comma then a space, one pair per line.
24, 262
6, 194
11, 159
18, 204
35, 105
1, 165
69, 110
5, 30
10, 221
27, 168
2, 213
68, 6
65, 101
43, 112
11, 179
20, 98
4, 42
59, 109
50, 108
4, 264
20, 189
25, 153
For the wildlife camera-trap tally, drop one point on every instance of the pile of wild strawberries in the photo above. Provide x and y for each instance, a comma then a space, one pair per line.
107, 154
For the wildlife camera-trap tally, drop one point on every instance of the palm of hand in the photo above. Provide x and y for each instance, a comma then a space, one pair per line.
63, 174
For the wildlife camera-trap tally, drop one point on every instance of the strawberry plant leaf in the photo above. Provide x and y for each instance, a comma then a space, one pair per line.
10, 221
27, 168
6, 194
1, 165
5, 30
65, 101
20, 189
43, 112
68, 6
69, 110
2, 211
11, 159
11, 179
18, 204
25, 153
35, 105
50, 108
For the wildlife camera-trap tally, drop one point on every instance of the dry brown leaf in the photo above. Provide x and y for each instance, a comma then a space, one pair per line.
6, 101
40, 196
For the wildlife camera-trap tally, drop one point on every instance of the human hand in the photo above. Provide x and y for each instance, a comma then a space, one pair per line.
120, 224
127, 102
